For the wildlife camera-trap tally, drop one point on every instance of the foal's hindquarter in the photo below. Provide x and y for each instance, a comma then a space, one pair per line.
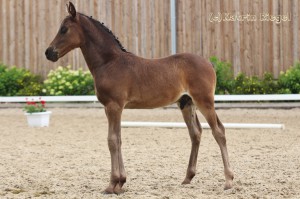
186, 79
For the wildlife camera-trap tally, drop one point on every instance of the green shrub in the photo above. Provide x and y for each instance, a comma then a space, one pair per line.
254, 85
18, 82
269, 84
242, 84
2, 68
64, 81
289, 82
224, 76
247, 85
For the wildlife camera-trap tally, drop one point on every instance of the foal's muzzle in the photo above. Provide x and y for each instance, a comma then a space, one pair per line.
51, 54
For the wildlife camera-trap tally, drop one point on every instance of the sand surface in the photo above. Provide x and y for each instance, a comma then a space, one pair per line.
70, 159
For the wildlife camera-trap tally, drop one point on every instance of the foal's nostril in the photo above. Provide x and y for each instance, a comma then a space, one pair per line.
51, 54
47, 52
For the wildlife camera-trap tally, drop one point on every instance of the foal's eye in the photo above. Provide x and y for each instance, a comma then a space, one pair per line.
63, 30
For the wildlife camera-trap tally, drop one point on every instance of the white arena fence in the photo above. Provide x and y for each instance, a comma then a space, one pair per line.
218, 98
203, 125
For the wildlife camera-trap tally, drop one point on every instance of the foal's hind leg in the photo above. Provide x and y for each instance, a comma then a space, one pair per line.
207, 109
189, 114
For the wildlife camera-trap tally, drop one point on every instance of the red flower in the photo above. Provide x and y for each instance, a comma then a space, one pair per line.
33, 107
43, 102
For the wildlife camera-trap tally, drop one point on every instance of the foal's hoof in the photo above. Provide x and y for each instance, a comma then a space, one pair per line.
108, 191
186, 181
228, 185
116, 190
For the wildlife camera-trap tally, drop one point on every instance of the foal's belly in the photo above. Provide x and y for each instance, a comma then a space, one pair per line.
148, 105
154, 101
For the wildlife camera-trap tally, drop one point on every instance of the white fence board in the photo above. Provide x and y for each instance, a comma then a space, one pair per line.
93, 98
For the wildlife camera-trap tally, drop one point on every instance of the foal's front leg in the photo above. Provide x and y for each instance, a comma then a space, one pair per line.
118, 175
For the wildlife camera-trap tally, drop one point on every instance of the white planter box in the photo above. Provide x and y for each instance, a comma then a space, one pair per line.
40, 119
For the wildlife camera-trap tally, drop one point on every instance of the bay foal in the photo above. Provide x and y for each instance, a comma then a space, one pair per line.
123, 80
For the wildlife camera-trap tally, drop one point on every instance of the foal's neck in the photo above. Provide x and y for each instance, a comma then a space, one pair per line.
99, 47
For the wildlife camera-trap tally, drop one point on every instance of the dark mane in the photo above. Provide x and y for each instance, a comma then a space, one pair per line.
98, 24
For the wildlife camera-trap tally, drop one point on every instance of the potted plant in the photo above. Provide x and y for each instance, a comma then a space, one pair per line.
37, 115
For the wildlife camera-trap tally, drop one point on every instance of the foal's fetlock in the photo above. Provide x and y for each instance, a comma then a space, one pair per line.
122, 181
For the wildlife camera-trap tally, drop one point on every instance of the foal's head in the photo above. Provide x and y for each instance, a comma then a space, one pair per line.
69, 36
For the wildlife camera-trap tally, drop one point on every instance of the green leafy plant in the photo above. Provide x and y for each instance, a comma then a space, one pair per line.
224, 76
64, 81
35, 107
17, 82
289, 82
269, 84
254, 85
247, 85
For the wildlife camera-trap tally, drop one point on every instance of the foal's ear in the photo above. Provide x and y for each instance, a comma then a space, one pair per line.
71, 9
